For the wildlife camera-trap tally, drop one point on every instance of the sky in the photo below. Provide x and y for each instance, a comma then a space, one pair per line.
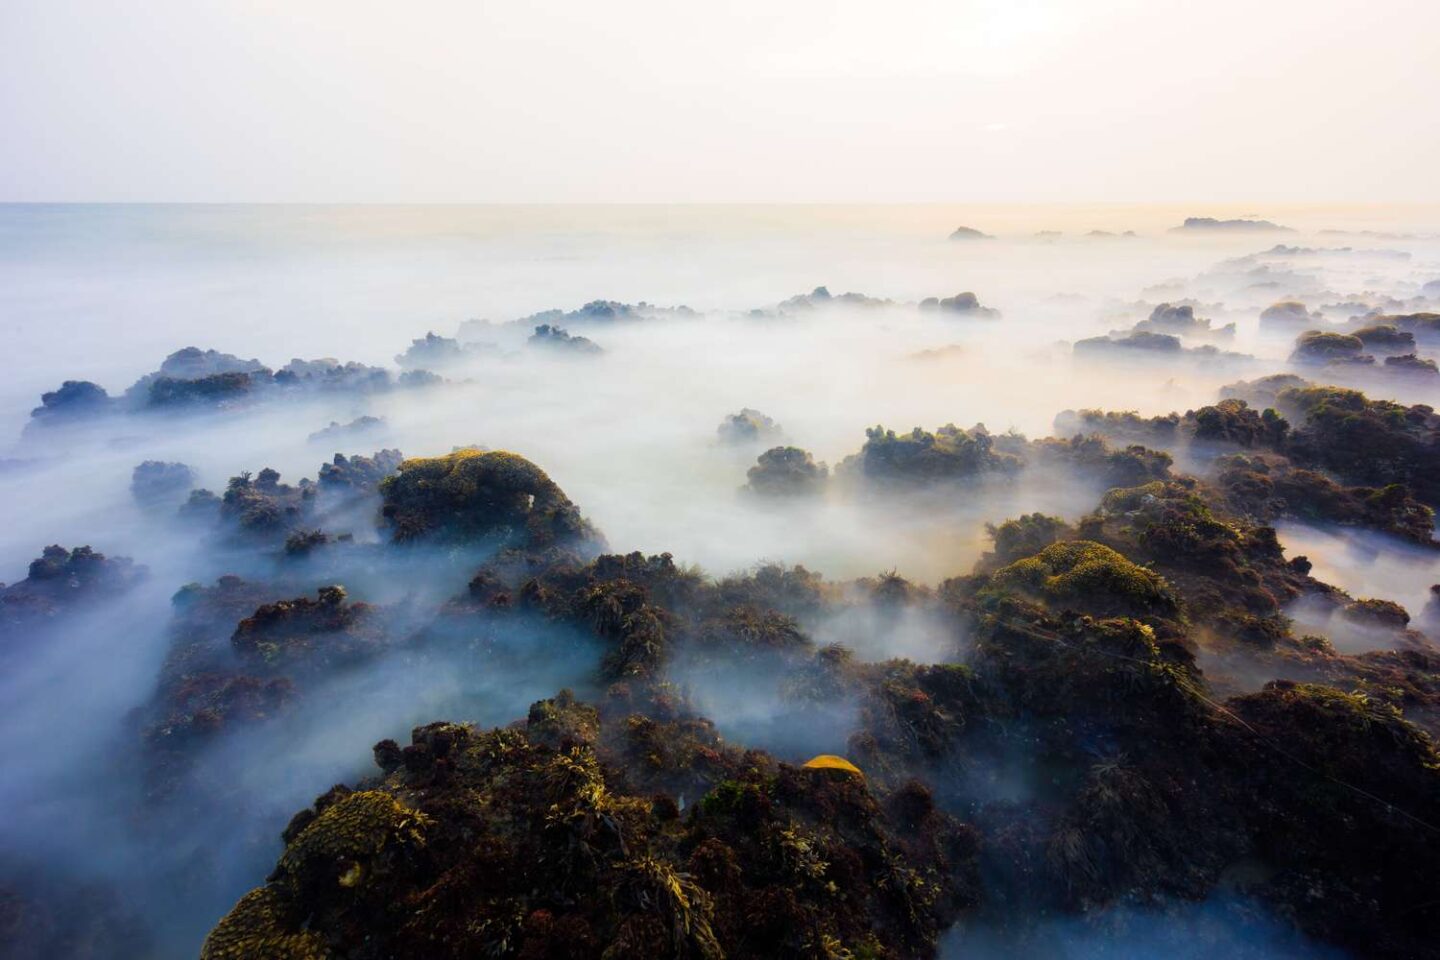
746, 100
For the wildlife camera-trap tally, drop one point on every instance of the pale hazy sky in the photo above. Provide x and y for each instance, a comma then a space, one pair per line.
765, 100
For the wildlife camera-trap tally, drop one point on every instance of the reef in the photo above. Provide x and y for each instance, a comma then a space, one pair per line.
566, 837
1269, 487
627, 826
191, 379
1124, 706
1363, 441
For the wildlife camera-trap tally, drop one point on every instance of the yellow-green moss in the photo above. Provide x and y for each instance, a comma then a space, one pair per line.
353, 831
1089, 575
257, 929
474, 494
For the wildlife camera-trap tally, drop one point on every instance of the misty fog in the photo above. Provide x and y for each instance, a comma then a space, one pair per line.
631, 433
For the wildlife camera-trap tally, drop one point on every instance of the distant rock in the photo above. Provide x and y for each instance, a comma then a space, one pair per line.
1287, 313
969, 233
191, 376
75, 399
1179, 320
156, 482
561, 340
1387, 340
431, 351
1162, 343
965, 303
783, 472
1142, 343
1412, 366
819, 298
747, 426
1210, 224
1424, 327
1317, 346
339, 432
598, 312
327, 373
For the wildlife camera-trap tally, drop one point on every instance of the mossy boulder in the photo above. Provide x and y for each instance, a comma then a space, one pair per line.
562, 837
473, 496
1317, 346
782, 472
1090, 577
